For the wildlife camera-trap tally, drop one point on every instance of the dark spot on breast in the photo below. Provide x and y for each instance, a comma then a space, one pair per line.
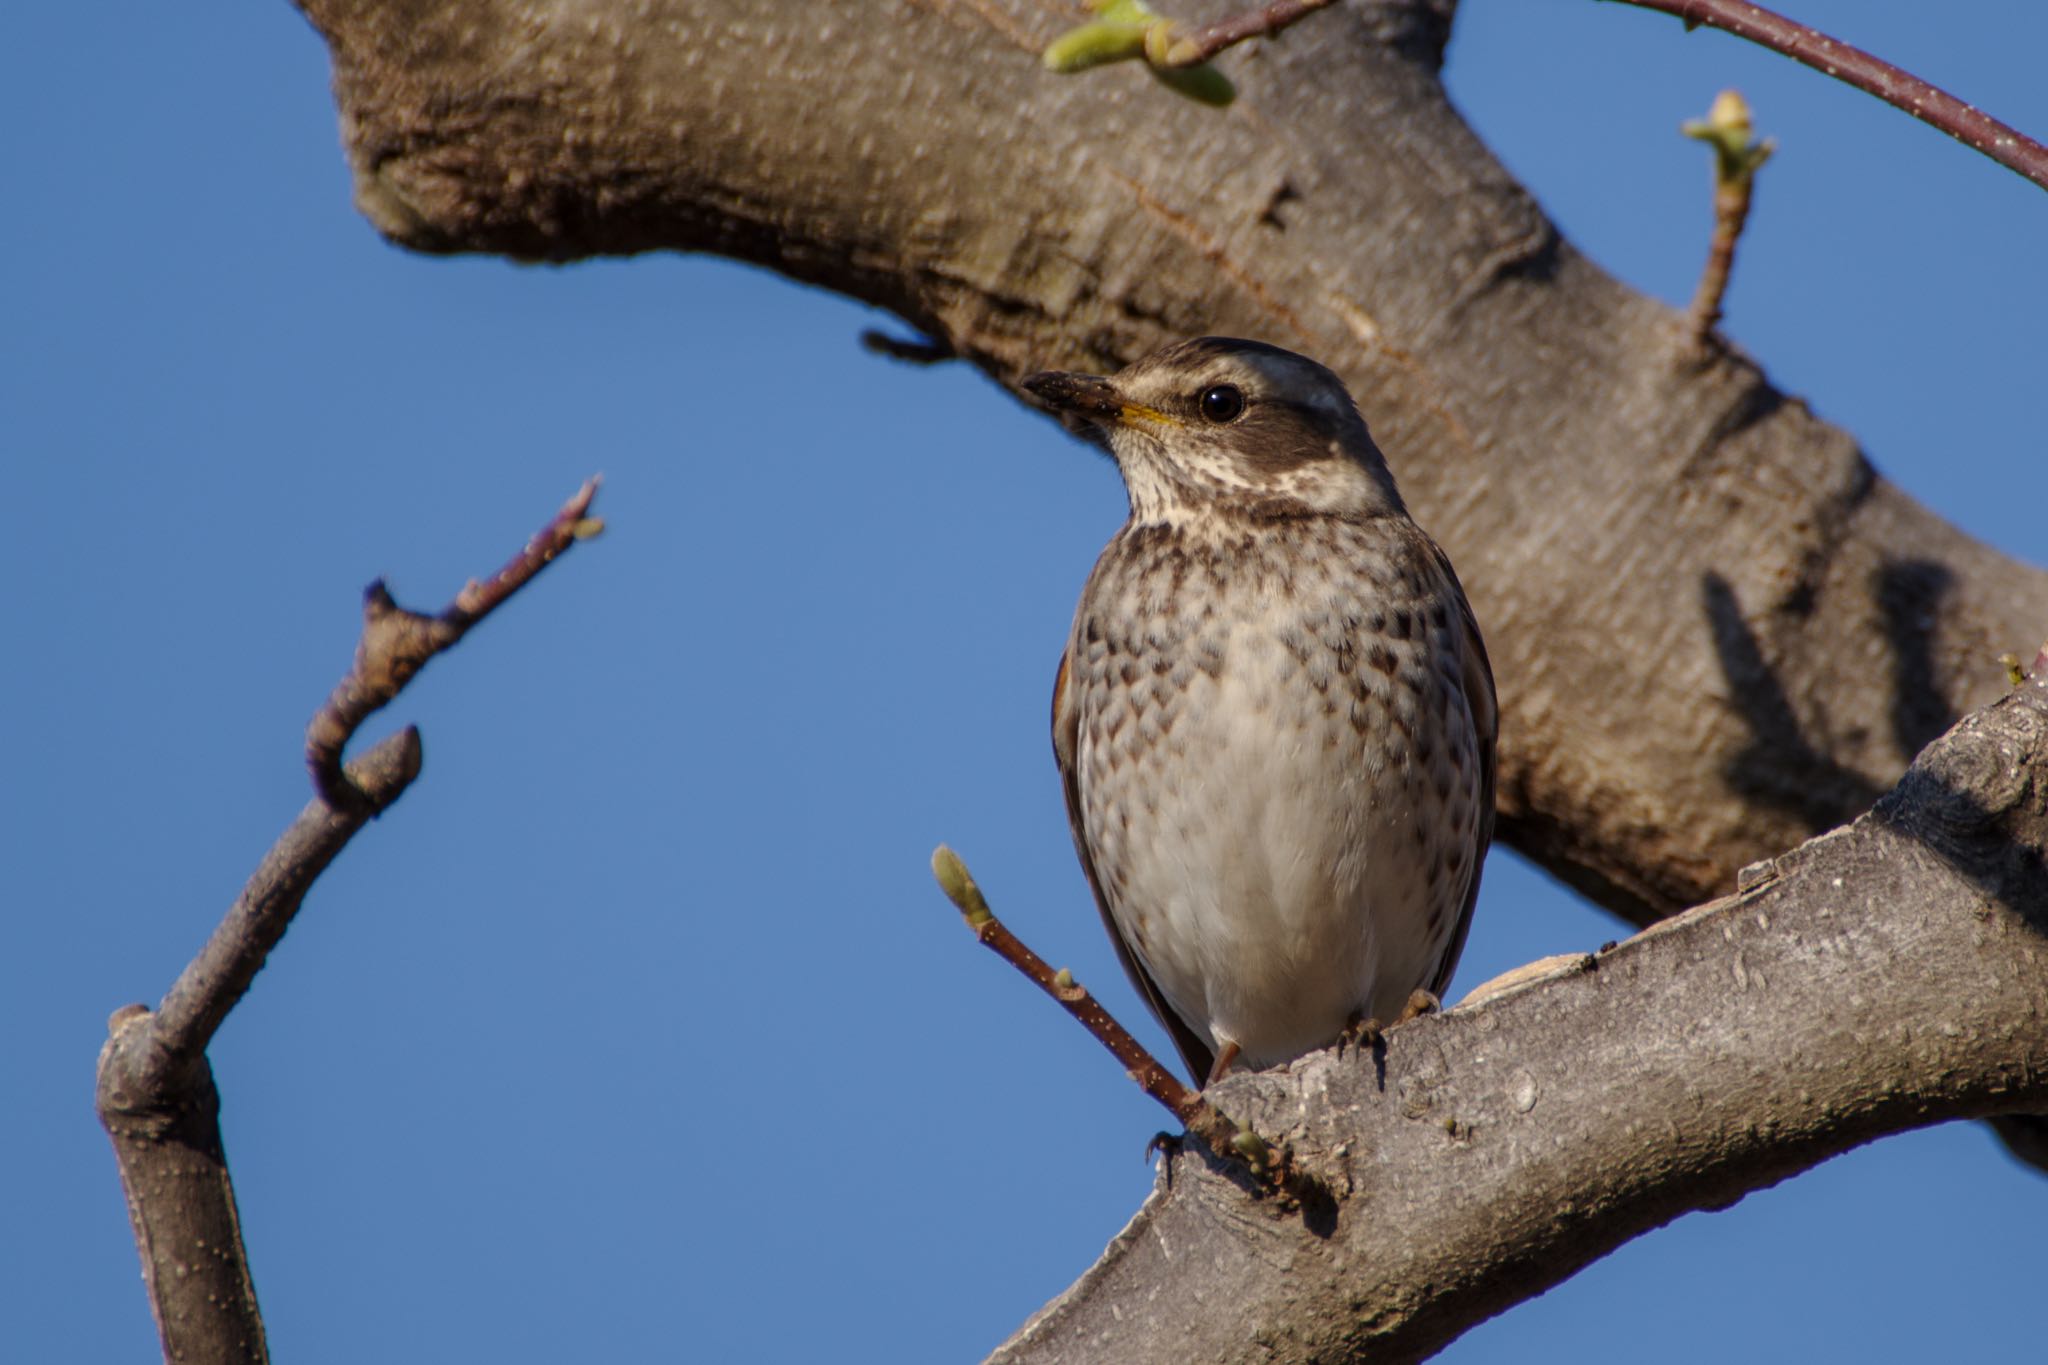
1404, 625
1382, 658
1440, 616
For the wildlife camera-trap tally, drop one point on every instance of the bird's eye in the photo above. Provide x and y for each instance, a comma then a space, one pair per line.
1222, 403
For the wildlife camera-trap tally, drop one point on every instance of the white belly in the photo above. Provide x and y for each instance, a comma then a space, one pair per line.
1261, 839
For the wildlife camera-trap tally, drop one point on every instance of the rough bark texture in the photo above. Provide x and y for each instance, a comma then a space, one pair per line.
1775, 629
1880, 978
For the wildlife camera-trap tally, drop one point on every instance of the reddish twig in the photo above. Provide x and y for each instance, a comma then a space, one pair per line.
1199, 1116
397, 643
1931, 105
1199, 45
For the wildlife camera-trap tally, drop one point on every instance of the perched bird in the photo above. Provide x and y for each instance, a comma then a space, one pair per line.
1275, 718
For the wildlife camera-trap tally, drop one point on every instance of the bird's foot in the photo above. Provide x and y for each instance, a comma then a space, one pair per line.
1361, 1033
1419, 1004
1222, 1065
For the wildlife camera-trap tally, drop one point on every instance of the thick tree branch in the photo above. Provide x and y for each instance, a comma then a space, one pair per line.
1887, 976
156, 1094
1932, 105
1773, 628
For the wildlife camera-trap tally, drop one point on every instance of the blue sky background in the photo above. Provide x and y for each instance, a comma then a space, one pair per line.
637, 1029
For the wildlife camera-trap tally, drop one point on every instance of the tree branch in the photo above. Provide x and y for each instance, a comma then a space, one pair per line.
155, 1093
1930, 104
1887, 976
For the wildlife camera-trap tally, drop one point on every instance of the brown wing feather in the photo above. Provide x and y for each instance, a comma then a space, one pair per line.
1066, 749
1485, 709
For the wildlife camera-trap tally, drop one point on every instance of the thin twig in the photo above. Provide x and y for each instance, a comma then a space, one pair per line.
156, 1095
1726, 128
1199, 1116
1931, 105
397, 643
1199, 45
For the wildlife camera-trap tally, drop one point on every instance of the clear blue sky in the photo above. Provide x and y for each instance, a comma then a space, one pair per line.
637, 1029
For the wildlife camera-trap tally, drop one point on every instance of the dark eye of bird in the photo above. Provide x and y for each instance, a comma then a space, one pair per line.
1222, 402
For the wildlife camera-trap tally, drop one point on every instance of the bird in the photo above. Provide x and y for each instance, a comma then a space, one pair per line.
1274, 719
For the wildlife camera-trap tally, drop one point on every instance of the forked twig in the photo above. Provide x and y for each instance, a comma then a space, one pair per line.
156, 1095
397, 643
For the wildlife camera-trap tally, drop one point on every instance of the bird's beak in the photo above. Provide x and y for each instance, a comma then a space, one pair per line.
1090, 398
1083, 395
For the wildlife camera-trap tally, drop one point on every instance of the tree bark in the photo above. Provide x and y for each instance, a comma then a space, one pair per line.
1775, 630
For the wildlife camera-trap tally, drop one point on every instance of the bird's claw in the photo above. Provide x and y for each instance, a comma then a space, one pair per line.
1419, 1004
1361, 1033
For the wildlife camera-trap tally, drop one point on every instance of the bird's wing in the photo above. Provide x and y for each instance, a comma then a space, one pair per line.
1066, 748
1485, 709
